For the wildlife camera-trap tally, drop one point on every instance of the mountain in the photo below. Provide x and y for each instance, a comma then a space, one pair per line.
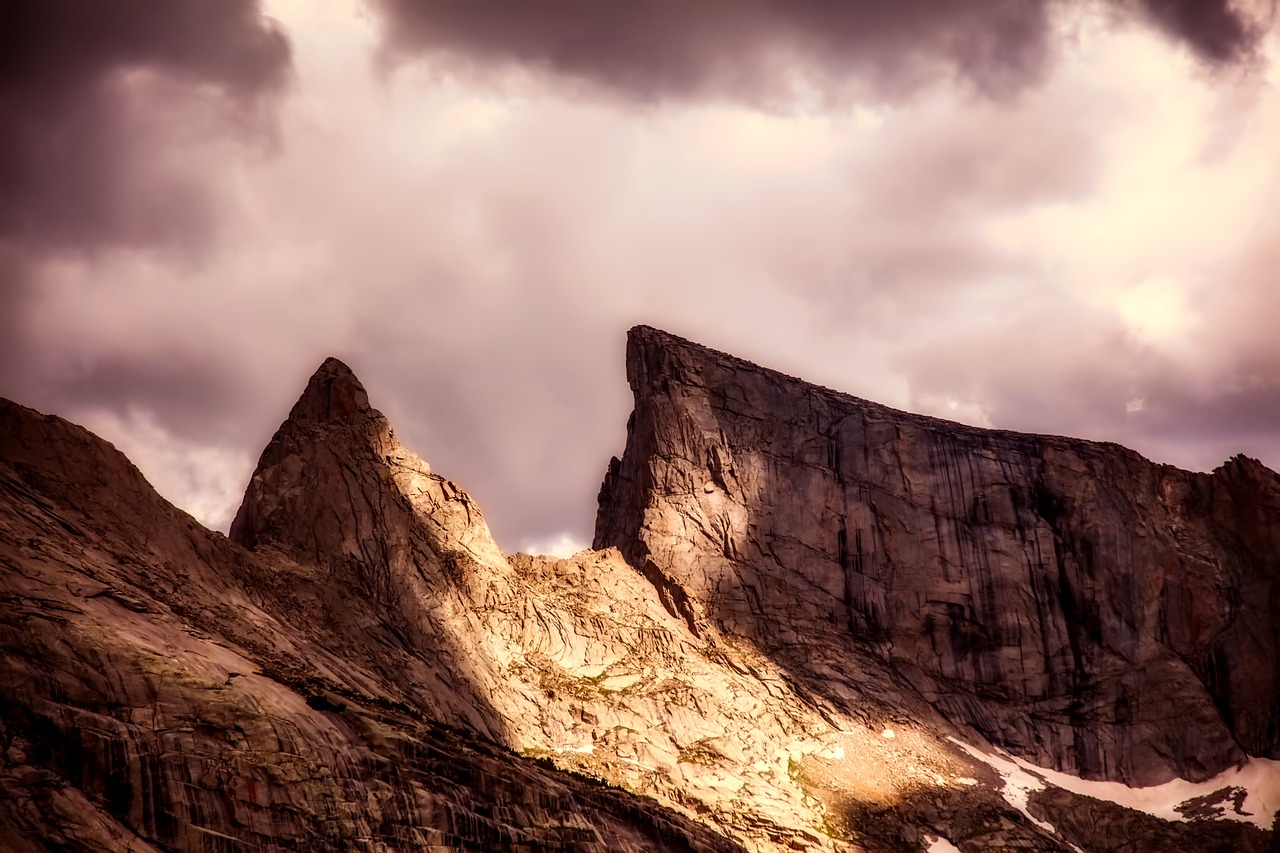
1077, 604
808, 622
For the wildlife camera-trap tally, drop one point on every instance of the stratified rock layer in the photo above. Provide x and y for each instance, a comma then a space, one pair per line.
1073, 602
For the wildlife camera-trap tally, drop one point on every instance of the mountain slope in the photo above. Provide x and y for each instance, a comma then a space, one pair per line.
162, 689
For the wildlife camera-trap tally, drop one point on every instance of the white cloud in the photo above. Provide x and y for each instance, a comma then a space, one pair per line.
1157, 309
953, 409
563, 545
206, 481
477, 253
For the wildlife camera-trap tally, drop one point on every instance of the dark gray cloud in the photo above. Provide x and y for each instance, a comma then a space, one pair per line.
1232, 393
1216, 30
108, 111
76, 144
775, 52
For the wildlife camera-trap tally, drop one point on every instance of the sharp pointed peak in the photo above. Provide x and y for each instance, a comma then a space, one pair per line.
333, 395
333, 364
645, 332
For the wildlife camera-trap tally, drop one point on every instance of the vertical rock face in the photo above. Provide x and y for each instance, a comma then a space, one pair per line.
1072, 601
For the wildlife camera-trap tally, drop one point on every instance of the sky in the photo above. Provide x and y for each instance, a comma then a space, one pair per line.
1039, 215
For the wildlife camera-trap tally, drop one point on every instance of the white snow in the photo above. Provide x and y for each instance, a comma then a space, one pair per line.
585, 748
1018, 783
1258, 777
940, 845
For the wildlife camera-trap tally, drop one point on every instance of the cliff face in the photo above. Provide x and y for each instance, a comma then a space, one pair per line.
764, 665
1077, 604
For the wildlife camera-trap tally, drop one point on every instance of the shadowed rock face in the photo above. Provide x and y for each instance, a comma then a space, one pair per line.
1077, 604
335, 491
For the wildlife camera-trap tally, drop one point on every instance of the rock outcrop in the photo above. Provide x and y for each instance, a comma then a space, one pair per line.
360, 667
1075, 603
163, 689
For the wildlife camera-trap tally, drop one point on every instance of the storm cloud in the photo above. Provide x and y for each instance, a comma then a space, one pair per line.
783, 52
86, 89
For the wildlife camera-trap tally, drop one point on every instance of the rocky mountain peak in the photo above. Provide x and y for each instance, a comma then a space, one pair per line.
336, 488
332, 430
333, 395
402, 551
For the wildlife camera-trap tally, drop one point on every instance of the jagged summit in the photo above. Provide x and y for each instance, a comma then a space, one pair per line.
324, 471
656, 358
316, 459
335, 490
333, 395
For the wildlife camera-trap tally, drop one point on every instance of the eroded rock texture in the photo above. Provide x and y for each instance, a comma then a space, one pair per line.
575, 660
1077, 604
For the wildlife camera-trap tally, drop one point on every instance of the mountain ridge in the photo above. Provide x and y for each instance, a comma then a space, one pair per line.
645, 331
361, 667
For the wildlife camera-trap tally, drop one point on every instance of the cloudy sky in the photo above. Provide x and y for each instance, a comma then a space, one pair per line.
1048, 216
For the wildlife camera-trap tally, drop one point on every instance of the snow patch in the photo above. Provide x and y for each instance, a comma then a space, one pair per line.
1249, 793
1018, 783
939, 845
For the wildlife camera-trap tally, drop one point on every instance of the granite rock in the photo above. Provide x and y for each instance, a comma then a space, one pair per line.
577, 661
1076, 604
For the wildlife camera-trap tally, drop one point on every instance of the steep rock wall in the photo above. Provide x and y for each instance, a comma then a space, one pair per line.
1074, 602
